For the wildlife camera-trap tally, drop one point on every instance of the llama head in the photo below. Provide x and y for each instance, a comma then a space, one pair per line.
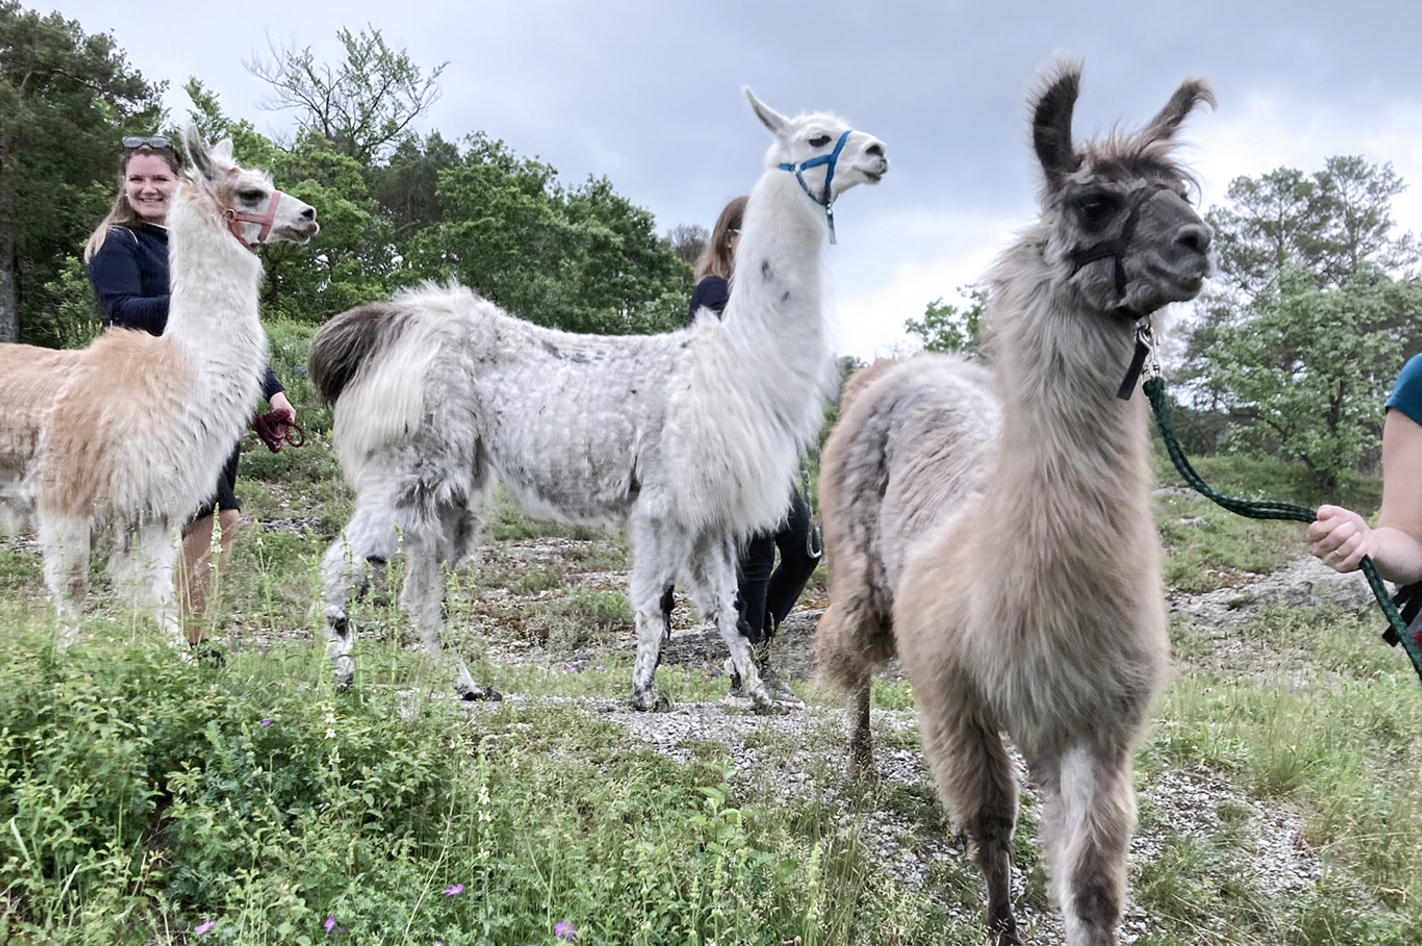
256, 212
1116, 211
820, 149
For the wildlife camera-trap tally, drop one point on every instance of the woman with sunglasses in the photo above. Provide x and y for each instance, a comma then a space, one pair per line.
127, 257
765, 593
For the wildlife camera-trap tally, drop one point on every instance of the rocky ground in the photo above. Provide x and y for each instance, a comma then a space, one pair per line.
1186, 801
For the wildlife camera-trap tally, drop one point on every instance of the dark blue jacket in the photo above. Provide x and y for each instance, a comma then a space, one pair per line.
711, 293
130, 275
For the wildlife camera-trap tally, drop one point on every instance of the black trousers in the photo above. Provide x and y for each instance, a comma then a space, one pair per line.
768, 591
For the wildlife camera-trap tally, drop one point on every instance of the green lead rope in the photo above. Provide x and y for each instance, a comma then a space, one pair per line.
1154, 389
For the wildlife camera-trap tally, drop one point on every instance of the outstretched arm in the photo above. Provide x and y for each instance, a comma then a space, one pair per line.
1340, 538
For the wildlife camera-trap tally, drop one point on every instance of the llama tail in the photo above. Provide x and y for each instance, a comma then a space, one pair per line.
370, 363
349, 343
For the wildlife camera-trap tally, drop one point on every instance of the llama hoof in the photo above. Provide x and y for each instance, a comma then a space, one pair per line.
342, 676
208, 654
1004, 932
649, 701
470, 692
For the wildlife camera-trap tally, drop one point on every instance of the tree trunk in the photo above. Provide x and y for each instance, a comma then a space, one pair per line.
9, 302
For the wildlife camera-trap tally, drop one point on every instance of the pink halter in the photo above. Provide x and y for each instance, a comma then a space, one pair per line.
235, 219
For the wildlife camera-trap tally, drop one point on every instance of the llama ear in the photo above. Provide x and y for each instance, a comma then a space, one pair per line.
1051, 122
778, 124
222, 153
197, 151
1191, 93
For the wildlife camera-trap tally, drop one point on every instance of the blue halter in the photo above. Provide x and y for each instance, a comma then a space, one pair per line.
824, 199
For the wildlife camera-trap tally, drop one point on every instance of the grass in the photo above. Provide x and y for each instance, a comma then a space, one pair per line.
144, 796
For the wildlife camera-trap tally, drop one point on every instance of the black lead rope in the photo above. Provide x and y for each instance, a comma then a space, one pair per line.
1154, 388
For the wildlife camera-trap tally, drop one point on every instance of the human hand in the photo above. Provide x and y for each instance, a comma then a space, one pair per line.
1340, 538
280, 405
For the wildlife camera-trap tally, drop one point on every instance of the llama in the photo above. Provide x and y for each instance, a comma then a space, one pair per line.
689, 439
131, 432
994, 529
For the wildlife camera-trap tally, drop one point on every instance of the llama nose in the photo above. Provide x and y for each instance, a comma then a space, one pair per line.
309, 213
876, 149
1194, 236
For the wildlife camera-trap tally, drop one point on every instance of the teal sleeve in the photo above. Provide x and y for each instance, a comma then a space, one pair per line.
1407, 392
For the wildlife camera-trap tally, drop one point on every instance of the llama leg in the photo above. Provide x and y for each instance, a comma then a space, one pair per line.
850, 641
427, 552
657, 552
979, 788
65, 543
1093, 817
713, 588
369, 538
154, 554
861, 740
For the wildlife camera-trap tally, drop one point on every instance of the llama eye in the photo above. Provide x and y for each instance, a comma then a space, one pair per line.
819, 141
251, 196
1094, 206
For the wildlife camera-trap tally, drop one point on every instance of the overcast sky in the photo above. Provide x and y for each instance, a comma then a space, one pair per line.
647, 93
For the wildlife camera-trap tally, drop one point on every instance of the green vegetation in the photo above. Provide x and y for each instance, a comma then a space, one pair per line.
395, 207
144, 796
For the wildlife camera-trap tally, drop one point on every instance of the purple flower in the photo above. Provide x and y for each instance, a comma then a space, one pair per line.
453, 890
330, 923
204, 927
565, 929
266, 722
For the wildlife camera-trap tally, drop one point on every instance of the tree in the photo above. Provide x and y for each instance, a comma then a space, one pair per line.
1317, 311
584, 261
949, 328
66, 98
1306, 374
688, 241
407, 185
362, 106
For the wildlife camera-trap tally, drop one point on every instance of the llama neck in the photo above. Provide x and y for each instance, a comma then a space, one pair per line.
775, 312
213, 309
1068, 442
755, 381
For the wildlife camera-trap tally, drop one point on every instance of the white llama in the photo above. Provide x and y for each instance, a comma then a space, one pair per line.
131, 432
689, 438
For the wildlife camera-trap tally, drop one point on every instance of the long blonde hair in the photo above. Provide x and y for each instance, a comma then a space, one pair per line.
122, 214
717, 259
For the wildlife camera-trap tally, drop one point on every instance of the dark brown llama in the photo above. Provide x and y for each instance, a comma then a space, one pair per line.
994, 530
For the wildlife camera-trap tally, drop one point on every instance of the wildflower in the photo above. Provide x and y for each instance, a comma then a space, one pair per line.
453, 890
266, 722
330, 923
565, 929
204, 927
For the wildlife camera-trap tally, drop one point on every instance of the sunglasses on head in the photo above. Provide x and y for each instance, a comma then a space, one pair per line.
156, 141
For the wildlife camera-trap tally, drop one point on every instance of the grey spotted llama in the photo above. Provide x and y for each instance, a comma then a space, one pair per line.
686, 439
993, 528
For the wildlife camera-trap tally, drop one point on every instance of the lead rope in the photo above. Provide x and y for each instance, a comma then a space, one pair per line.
1154, 389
